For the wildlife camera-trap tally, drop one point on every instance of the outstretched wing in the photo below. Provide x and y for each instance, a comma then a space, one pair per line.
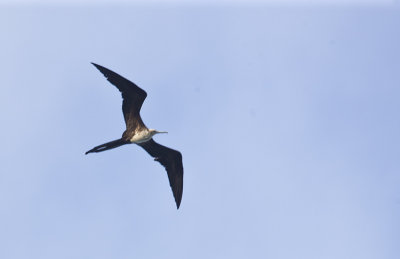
172, 161
132, 95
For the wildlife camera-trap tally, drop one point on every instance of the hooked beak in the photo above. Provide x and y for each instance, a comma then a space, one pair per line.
161, 131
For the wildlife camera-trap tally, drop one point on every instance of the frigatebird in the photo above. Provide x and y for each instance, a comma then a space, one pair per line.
137, 132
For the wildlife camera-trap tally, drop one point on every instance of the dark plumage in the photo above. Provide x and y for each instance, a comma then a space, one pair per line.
137, 132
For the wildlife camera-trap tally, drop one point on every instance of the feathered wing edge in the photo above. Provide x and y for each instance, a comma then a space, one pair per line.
107, 146
172, 161
133, 97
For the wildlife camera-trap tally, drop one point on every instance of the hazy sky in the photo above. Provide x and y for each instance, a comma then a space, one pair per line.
287, 119
213, 2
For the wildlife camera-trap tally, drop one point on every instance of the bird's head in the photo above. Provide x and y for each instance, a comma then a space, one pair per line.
154, 132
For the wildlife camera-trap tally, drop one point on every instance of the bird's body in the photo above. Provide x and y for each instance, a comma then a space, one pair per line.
141, 136
137, 132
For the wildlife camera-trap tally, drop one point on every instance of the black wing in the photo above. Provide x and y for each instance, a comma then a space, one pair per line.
172, 161
133, 97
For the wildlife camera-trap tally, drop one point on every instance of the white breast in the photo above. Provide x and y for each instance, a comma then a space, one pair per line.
141, 136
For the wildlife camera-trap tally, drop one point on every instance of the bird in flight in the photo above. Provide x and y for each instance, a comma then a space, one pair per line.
137, 132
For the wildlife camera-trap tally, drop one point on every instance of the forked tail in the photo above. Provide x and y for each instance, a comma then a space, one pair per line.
108, 145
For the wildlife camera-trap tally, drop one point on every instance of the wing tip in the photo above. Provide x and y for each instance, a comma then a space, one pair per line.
178, 204
96, 65
178, 197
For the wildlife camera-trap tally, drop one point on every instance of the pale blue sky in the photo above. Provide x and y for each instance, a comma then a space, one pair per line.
287, 118
202, 2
